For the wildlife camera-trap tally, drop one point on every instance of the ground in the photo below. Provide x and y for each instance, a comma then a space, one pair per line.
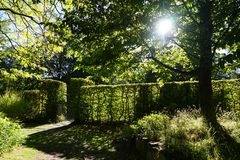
64, 141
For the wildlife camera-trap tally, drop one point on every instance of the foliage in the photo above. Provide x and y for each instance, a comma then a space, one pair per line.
12, 104
56, 92
49, 102
179, 95
10, 134
131, 101
22, 106
25, 57
226, 94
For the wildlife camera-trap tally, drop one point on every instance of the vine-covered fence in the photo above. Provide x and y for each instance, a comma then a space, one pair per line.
114, 103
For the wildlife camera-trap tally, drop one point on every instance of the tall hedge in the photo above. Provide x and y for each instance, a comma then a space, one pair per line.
130, 101
77, 109
25, 106
56, 92
35, 109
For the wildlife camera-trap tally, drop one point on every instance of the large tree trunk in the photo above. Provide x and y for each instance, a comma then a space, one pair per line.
205, 65
204, 77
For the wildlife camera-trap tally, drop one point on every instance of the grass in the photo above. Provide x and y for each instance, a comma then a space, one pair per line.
26, 153
66, 141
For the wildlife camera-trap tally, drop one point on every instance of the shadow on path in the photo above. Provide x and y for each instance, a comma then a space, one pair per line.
76, 141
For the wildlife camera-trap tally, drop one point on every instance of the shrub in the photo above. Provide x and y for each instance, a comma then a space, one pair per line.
56, 92
153, 126
178, 95
10, 134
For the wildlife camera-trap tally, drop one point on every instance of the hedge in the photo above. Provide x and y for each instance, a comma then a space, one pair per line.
56, 92
35, 109
76, 109
24, 106
131, 101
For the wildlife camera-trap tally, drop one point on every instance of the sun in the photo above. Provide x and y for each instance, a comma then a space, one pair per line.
164, 26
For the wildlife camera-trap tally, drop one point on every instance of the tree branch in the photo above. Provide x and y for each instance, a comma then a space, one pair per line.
20, 14
152, 51
9, 39
184, 49
192, 72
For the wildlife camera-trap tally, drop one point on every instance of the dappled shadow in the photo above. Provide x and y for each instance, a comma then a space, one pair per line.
76, 141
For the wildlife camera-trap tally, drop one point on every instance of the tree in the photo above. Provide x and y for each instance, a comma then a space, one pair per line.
25, 42
106, 32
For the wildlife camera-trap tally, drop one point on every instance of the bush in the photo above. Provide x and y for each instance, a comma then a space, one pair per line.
24, 106
56, 92
153, 126
10, 134
17, 83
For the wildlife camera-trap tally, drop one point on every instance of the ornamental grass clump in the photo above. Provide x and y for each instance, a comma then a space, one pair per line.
231, 122
189, 136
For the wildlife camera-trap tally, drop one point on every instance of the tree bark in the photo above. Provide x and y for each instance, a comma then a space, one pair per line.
205, 65
220, 135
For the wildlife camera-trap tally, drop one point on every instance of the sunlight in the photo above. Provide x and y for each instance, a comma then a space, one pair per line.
164, 26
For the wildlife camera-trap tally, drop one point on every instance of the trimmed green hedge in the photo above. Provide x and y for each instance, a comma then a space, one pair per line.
25, 106
35, 109
76, 106
131, 101
56, 92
